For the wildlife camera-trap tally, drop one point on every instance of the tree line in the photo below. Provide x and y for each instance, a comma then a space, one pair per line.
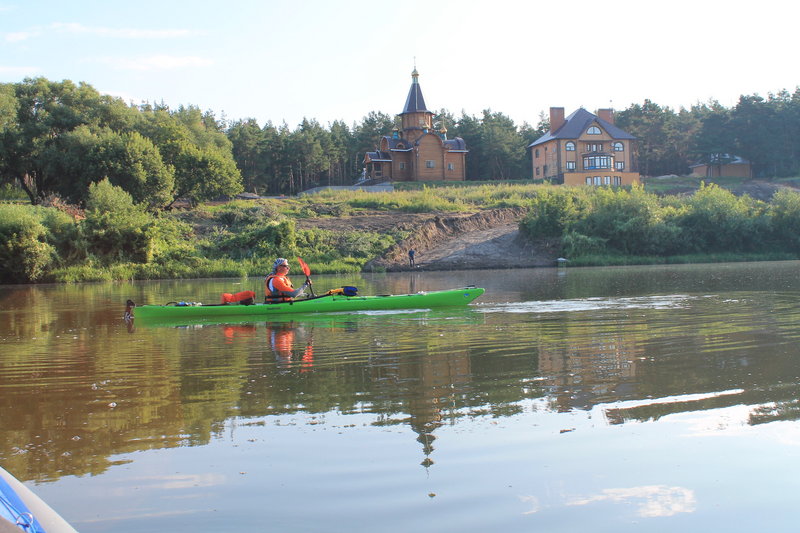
56, 138
761, 130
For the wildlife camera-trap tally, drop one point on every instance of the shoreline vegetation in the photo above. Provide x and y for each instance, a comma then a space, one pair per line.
115, 238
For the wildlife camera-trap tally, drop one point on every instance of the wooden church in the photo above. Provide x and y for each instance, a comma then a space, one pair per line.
417, 151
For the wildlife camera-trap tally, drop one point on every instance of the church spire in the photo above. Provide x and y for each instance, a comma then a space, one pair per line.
415, 103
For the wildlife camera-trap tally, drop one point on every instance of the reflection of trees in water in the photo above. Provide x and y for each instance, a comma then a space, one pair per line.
724, 361
72, 405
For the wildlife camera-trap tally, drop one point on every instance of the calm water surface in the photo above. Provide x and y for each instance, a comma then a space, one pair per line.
625, 399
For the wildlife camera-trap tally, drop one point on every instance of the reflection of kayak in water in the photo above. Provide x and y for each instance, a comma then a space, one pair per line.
349, 320
22, 510
329, 303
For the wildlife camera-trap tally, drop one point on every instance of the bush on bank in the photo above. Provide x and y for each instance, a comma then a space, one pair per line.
631, 223
25, 253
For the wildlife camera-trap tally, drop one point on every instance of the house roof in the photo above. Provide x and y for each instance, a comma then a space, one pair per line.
415, 102
577, 123
393, 142
456, 143
727, 159
377, 156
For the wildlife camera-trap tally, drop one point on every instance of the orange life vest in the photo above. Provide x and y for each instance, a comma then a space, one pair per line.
273, 294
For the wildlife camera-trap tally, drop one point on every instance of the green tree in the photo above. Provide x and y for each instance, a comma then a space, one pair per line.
629, 221
784, 211
713, 142
134, 164
8, 106
715, 220
247, 143
309, 152
470, 129
553, 211
338, 149
647, 122
201, 155
130, 161
502, 146
45, 110
205, 174
116, 228
25, 254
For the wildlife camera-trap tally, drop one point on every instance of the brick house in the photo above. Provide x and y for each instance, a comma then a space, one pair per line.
585, 149
416, 151
718, 165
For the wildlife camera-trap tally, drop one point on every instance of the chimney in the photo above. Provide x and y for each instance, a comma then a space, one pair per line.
556, 118
606, 114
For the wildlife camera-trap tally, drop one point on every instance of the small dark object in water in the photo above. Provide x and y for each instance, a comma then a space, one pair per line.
129, 305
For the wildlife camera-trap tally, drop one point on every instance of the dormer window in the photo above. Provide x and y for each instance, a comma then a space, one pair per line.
593, 130
619, 147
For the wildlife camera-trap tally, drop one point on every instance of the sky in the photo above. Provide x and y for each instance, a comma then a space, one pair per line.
282, 61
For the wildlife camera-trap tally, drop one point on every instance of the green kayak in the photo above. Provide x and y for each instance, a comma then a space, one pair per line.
333, 303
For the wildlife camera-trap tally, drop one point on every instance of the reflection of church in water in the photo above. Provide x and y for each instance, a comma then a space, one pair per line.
426, 386
577, 375
438, 374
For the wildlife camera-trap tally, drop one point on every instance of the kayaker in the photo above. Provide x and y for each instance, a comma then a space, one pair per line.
277, 285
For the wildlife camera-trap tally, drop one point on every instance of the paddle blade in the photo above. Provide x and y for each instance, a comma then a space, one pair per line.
304, 266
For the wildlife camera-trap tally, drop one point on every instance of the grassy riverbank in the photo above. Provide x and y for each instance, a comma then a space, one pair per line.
115, 239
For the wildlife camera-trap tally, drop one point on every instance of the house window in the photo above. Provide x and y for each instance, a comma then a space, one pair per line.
537, 171
593, 162
544, 170
619, 165
451, 166
593, 130
588, 180
570, 165
617, 180
596, 180
402, 165
430, 163
619, 147
377, 170
606, 180
570, 146
594, 147
536, 153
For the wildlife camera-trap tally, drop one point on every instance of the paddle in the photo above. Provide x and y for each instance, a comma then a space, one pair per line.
307, 272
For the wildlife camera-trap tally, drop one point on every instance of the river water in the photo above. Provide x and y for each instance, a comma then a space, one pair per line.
600, 399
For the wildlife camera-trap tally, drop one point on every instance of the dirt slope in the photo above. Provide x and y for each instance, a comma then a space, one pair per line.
447, 241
